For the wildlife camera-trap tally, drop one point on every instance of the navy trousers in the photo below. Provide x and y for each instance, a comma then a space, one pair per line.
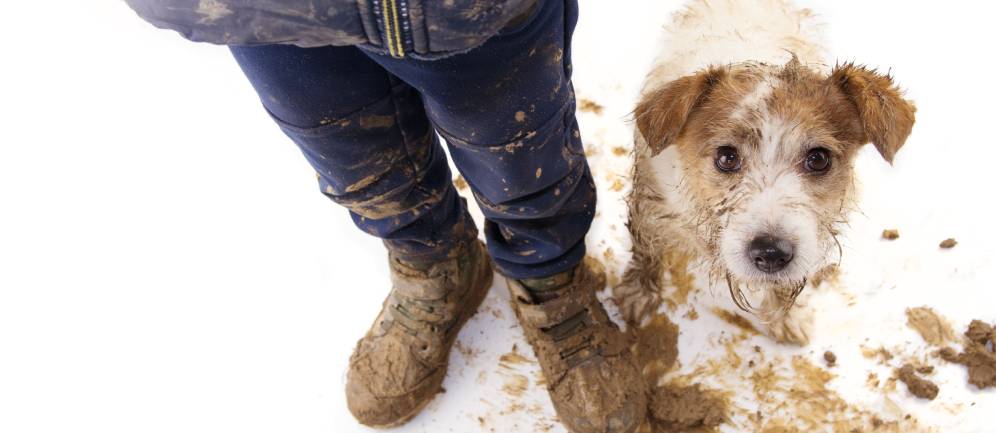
369, 124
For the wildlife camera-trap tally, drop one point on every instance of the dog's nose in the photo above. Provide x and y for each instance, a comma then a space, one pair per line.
770, 254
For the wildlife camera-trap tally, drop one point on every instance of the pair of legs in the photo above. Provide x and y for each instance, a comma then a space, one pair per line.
368, 124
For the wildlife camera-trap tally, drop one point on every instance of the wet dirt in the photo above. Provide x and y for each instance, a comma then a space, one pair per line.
682, 408
590, 106
977, 356
656, 347
915, 384
830, 358
933, 328
675, 406
736, 320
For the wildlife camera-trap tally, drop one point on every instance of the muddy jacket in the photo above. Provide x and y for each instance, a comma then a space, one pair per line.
424, 29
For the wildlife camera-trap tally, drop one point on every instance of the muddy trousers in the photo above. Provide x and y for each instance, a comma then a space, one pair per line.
370, 126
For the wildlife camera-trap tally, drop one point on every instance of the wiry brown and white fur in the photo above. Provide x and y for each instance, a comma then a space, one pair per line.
749, 75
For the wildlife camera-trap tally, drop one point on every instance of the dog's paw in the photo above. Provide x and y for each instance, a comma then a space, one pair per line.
635, 301
794, 327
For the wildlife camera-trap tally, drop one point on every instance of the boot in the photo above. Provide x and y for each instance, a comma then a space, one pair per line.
591, 375
398, 367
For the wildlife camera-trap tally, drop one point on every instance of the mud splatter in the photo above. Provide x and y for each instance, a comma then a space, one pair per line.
736, 320
948, 243
376, 122
890, 234
520, 116
515, 385
617, 185
460, 183
619, 151
590, 106
978, 355
513, 358
932, 327
917, 386
681, 408
656, 347
830, 358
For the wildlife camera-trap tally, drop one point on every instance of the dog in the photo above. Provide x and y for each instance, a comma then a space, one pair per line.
743, 158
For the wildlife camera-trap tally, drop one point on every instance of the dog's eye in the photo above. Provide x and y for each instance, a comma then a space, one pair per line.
727, 159
817, 160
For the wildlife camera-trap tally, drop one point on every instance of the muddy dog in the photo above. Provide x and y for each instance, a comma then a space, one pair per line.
744, 147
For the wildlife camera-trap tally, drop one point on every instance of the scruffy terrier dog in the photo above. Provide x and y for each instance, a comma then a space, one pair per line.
743, 157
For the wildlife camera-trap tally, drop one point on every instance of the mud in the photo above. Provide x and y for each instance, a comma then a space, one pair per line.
682, 408
590, 106
513, 358
676, 406
890, 234
656, 347
977, 355
933, 328
917, 386
948, 243
979, 332
830, 358
736, 320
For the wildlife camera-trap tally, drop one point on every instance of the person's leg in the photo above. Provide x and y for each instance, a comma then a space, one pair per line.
506, 110
366, 134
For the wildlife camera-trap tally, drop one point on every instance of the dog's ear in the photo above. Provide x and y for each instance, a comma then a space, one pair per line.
661, 114
887, 118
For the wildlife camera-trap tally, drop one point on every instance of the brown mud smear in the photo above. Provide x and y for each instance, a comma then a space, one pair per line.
515, 385
656, 347
589, 105
932, 327
684, 408
919, 387
513, 358
676, 406
890, 234
948, 243
736, 320
977, 356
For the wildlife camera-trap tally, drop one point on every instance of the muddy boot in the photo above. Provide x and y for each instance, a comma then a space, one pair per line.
398, 367
590, 372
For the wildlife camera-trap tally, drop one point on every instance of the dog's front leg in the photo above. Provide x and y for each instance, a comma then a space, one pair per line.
793, 325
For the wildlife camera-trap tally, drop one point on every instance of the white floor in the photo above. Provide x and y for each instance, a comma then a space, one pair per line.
167, 264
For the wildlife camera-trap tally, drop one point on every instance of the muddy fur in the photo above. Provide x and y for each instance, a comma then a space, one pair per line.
775, 110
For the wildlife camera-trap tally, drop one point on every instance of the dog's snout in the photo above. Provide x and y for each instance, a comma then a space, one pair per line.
770, 254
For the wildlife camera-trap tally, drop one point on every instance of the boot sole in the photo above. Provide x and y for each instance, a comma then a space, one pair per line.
480, 292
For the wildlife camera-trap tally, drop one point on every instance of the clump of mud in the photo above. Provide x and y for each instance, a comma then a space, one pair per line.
948, 243
977, 355
673, 407
830, 358
917, 386
890, 234
680, 408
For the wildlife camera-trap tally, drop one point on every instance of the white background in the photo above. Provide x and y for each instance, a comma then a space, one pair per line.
167, 263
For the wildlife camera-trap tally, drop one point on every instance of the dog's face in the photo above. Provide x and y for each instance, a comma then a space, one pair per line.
766, 156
